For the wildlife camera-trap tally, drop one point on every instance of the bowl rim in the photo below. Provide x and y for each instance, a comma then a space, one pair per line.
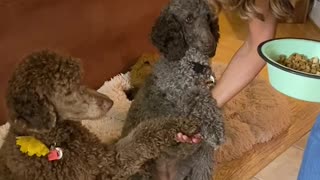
259, 48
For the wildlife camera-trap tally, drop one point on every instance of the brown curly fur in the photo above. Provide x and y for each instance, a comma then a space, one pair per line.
47, 101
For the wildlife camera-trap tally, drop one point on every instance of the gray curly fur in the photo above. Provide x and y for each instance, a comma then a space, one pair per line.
46, 100
178, 88
185, 24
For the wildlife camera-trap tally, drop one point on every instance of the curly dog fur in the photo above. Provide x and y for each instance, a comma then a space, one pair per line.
186, 34
46, 100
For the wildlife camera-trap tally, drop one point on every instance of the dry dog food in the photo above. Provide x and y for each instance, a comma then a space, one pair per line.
301, 62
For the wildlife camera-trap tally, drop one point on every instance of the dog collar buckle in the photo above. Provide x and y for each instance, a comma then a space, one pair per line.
55, 154
199, 68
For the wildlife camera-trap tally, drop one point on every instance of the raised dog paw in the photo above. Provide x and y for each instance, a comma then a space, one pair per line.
148, 140
188, 127
164, 131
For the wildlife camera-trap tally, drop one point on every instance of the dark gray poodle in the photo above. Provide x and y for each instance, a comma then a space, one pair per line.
186, 34
46, 101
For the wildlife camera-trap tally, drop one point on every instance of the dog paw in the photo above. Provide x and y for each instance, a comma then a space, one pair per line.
188, 127
214, 136
167, 129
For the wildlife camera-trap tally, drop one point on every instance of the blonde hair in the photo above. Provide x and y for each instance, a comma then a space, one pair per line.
281, 9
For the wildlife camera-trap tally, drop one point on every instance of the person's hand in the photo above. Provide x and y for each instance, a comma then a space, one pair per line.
191, 140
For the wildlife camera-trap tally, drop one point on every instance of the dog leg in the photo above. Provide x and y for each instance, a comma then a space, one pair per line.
206, 110
202, 164
198, 166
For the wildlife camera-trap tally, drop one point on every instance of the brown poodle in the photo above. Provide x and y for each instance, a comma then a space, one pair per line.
47, 101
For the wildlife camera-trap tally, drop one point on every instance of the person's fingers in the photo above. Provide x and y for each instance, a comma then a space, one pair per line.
185, 139
182, 138
179, 137
196, 140
198, 136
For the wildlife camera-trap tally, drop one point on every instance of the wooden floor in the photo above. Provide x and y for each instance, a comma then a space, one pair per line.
233, 32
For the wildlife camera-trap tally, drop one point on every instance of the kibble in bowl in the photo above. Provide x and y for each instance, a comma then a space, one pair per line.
301, 63
293, 66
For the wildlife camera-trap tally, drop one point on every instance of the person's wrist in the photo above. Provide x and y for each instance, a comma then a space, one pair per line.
216, 97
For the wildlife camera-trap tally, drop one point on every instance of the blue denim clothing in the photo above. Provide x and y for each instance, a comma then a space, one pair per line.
310, 167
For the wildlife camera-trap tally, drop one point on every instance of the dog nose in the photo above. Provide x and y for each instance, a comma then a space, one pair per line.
101, 100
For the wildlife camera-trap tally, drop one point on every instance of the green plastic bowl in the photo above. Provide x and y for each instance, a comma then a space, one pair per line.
295, 84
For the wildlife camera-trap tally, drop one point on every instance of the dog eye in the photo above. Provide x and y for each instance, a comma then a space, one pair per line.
189, 19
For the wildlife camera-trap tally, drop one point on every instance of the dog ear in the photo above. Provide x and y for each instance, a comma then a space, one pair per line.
167, 35
213, 18
32, 111
214, 27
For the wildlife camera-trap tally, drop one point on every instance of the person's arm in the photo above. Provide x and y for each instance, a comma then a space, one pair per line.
246, 63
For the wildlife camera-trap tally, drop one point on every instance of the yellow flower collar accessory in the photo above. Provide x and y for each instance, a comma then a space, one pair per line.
32, 146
